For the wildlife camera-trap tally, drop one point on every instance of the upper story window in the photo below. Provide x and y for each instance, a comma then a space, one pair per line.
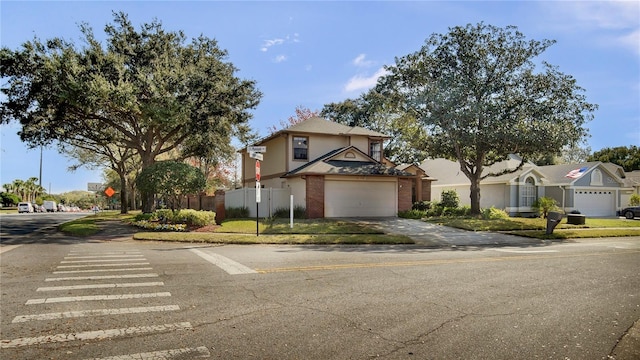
300, 148
596, 177
528, 192
375, 149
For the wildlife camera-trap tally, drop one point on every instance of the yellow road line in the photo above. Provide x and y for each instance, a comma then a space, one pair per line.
437, 262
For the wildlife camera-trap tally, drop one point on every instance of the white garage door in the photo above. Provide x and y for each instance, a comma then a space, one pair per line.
595, 203
359, 199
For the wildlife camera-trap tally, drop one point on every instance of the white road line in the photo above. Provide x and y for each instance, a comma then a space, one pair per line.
93, 335
100, 270
97, 261
99, 286
97, 312
525, 251
96, 298
194, 353
89, 253
5, 248
99, 256
126, 276
226, 264
99, 265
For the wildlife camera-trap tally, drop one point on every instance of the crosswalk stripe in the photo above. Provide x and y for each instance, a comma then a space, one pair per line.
98, 260
99, 256
101, 277
99, 265
97, 312
194, 353
95, 297
93, 335
100, 270
99, 286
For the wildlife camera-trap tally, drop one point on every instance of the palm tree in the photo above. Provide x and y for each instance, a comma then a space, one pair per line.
18, 189
32, 189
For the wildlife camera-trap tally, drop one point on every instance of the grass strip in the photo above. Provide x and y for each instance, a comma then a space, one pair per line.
284, 239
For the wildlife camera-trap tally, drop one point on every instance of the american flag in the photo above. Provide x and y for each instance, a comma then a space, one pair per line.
574, 174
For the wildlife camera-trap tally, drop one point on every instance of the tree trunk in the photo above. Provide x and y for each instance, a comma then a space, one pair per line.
475, 195
123, 194
147, 197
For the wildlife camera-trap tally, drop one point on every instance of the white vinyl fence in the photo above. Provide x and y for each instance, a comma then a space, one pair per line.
270, 200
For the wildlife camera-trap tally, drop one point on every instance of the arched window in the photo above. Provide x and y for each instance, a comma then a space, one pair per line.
528, 193
596, 177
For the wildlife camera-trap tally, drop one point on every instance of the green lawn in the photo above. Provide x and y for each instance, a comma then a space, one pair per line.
330, 231
537, 227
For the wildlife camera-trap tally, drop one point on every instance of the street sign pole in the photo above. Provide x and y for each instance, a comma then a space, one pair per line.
257, 196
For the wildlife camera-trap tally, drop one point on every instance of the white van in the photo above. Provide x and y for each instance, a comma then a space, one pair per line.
25, 207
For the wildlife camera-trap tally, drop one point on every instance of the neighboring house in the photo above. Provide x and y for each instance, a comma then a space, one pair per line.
631, 180
593, 189
333, 170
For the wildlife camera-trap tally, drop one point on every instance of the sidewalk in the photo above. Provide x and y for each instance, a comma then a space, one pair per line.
434, 235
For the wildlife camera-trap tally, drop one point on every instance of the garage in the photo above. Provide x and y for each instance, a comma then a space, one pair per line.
595, 202
360, 198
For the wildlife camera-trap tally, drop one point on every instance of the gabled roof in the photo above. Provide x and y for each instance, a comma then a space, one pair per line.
632, 179
557, 174
448, 172
318, 125
331, 163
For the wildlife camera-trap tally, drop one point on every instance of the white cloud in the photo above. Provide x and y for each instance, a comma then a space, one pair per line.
361, 62
295, 38
269, 43
631, 41
618, 22
606, 14
280, 58
359, 82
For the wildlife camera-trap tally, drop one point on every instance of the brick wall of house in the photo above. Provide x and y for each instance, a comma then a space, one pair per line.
426, 190
315, 196
404, 194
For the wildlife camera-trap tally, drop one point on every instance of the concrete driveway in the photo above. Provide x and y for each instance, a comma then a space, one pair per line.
433, 235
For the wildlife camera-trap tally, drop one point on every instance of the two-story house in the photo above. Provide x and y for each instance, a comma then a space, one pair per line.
333, 170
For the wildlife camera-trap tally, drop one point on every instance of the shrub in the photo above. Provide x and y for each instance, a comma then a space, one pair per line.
237, 212
634, 200
544, 204
299, 212
435, 210
143, 217
194, 218
450, 199
188, 217
493, 213
412, 214
462, 210
421, 205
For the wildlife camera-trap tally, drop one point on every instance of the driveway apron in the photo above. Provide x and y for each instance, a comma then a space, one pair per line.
428, 234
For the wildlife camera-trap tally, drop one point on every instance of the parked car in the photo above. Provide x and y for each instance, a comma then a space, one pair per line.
51, 206
25, 207
630, 212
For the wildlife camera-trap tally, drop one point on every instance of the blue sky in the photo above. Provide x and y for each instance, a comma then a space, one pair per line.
312, 53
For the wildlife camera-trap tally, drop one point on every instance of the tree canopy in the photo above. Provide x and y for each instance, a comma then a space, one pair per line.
627, 157
147, 90
478, 95
172, 181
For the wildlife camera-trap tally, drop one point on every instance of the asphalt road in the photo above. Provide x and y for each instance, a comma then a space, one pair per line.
139, 300
16, 228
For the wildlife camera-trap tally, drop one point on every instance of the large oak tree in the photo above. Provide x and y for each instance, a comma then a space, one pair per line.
480, 97
148, 90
